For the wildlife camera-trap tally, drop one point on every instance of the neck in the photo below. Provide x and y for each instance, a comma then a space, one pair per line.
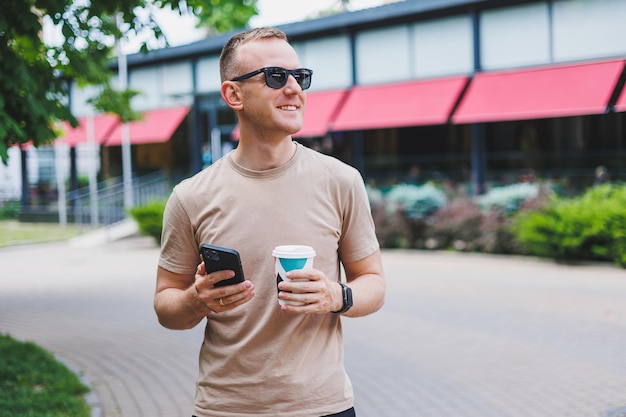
261, 156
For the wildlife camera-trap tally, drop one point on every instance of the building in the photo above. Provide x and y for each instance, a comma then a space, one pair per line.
473, 92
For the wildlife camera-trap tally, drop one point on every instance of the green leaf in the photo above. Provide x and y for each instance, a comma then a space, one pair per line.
33, 91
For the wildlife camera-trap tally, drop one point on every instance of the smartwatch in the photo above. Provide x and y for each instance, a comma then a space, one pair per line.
347, 298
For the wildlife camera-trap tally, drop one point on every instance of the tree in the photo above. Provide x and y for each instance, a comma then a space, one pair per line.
36, 77
225, 15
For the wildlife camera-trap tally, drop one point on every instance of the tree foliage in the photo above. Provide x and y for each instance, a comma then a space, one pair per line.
224, 15
35, 76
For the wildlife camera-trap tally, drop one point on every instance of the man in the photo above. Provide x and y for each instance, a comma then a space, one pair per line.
259, 358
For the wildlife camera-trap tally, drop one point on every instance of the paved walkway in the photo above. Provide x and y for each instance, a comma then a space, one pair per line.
460, 334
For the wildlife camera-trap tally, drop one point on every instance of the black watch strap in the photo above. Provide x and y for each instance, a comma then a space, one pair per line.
347, 298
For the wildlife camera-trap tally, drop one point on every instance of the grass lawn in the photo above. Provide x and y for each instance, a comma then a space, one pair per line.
13, 232
34, 384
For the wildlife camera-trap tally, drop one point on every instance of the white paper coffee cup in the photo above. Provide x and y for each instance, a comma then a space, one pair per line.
290, 257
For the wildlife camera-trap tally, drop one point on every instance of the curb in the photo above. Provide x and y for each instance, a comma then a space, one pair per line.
117, 231
91, 398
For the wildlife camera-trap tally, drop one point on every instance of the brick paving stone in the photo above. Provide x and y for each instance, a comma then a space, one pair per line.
460, 334
505, 336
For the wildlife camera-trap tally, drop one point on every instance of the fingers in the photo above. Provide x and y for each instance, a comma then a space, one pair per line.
309, 274
214, 277
310, 291
223, 298
228, 302
226, 298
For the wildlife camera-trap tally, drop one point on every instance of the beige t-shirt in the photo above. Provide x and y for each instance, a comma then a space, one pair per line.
255, 359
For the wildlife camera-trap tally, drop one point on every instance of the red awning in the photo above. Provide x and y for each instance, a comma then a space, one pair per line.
398, 105
621, 101
320, 110
103, 125
157, 126
557, 91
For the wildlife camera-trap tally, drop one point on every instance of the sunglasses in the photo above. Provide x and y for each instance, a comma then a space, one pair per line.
276, 77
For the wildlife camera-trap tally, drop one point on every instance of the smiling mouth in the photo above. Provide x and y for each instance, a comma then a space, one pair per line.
288, 108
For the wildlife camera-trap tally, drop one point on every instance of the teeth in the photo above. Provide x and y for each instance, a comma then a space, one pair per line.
290, 108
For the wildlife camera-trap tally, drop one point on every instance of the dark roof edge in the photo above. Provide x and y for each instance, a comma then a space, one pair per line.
337, 23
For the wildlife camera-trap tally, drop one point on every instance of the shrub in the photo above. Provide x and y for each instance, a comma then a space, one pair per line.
391, 229
150, 219
482, 224
496, 236
589, 227
407, 208
457, 225
9, 209
463, 226
415, 201
508, 198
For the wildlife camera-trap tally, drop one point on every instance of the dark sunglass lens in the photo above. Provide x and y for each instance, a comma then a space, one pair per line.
276, 77
303, 78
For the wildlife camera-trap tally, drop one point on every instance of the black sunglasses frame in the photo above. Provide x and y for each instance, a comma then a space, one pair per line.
303, 76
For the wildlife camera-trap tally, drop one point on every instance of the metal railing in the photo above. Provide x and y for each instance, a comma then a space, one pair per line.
107, 207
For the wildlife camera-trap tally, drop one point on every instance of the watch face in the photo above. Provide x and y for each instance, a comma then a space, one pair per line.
347, 298
346, 293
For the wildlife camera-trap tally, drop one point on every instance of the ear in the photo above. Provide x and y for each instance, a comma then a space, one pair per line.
232, 95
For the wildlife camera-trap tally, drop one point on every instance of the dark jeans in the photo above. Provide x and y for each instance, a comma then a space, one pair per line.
348, 413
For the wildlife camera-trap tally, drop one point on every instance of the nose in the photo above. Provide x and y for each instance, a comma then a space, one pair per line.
292, 83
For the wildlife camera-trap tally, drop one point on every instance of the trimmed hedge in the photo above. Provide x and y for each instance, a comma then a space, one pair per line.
589, 227
9, 209
519, 219
421, 217
149, 218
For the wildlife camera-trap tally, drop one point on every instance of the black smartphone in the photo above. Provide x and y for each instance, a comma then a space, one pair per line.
217, 258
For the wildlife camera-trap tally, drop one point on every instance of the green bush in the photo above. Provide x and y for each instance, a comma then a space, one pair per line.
150, 219
9, 209
589, 227
422, 217
517, 219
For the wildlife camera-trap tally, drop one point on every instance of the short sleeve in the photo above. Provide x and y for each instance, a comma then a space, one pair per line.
358, 236
179, 249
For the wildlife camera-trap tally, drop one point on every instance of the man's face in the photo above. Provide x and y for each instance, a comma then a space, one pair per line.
271, 111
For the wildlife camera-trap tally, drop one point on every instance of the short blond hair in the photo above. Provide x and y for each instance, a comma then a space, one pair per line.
229, 66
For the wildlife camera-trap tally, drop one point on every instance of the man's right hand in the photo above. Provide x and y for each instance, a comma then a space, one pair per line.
220, 299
